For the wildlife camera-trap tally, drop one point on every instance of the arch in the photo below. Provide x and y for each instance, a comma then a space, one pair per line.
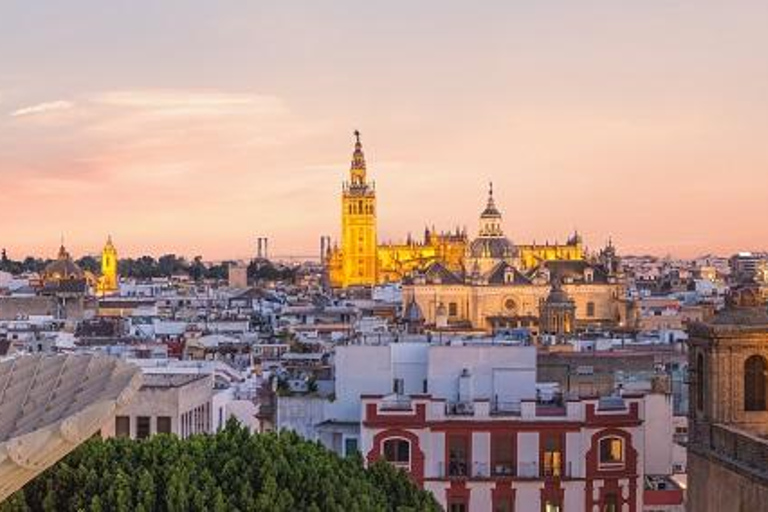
397, 451
416, 454
754, 383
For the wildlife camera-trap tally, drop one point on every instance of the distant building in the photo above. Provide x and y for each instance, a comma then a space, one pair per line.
497, 290
728, 448
238, 276
166, 403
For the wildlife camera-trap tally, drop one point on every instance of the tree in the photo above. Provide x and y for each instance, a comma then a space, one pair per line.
233, 469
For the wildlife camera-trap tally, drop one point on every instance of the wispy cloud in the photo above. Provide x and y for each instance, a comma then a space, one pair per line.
192, 103
43, 108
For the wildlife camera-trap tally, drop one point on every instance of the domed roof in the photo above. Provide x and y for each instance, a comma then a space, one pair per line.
491, 247
62, 268
413, 312
557, 295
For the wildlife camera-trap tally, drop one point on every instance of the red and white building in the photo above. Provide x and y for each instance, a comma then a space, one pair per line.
482, 436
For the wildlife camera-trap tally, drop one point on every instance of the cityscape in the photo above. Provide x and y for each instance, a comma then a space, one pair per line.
457, 310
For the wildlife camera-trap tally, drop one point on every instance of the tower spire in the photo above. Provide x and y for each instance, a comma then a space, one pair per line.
357, 169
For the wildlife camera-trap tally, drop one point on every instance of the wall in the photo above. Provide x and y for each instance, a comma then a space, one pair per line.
713, 488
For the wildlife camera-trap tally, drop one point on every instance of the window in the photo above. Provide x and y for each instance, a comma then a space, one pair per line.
398, 452
754, 384
350, 446
590, 309
552, 465
122, 426
552, 506
611, 451
502, 454
458, 455
453, 309
398, 386
700, 382
142, 427
611, 503
457, 506
425, 386
163, 424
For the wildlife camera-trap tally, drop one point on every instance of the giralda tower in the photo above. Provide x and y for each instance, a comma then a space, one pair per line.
358, 223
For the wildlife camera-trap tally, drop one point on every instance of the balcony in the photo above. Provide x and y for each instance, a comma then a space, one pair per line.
463, 470
503, 469
553, 405
532, 470
743, 451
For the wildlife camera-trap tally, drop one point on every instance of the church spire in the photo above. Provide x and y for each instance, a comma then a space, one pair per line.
490, 208
357, 169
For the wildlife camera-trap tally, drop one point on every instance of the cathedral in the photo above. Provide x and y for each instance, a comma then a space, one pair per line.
551, 289
485, 283
361, 260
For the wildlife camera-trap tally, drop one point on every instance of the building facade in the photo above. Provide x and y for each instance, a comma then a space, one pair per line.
499, 288
470, 424
727, 446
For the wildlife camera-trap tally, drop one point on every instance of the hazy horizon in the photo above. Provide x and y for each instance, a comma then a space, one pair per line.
192, 127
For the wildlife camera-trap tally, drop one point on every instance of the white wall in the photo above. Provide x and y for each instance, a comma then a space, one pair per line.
447, 362
360, 370
659, 430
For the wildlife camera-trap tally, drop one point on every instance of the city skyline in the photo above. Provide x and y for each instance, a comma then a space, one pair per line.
640, 123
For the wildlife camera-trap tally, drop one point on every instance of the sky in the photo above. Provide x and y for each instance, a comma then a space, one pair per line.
194, 127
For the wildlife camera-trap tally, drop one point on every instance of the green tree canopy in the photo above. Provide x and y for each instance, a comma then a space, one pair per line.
232, 470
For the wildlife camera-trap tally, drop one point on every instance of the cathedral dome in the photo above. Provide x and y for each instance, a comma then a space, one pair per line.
62, 268
492, 247
558, 296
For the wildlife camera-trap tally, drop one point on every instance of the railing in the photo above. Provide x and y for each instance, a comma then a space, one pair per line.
535, 471
746, 451
502, 469
463, 470
459, 409
500, 408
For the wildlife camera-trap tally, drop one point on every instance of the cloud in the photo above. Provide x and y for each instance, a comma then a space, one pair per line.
43, 108
191, 103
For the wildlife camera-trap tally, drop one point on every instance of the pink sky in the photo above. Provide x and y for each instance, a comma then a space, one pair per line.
194, 127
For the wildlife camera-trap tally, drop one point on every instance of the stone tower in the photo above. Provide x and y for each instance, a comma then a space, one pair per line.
358, 224
727, 445
108, 279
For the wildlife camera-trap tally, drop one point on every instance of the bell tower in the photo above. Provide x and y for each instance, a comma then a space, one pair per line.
108, 280
358, 224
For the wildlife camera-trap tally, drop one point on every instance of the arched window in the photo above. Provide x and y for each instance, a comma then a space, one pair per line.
397, 452
754, 383
611, 451
700, 382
